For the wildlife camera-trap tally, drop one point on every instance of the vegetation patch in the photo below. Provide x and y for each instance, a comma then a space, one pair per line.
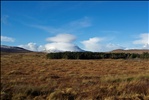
96, 55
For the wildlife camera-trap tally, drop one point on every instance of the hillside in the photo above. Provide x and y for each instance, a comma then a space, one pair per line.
13, 49
139, 51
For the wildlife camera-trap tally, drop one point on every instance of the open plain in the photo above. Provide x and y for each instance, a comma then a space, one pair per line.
31, 76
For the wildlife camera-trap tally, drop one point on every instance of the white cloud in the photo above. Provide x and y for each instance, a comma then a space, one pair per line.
95, 44
111, 46
84, 22
7, 39
69, 27
33, 47
61, 42
64, 42
41, 48
61, 47
143, 39
62, 38
92, 44
48, 29
146, 46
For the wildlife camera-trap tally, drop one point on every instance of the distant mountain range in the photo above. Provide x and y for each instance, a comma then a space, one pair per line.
73, 49
130, 51
13, 49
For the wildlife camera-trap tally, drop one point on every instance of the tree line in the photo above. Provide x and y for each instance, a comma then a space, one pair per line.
96, 55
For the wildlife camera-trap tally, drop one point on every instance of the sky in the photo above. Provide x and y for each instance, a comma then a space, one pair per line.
90, 25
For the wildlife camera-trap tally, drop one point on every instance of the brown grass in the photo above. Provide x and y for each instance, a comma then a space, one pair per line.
139, 51
30, 76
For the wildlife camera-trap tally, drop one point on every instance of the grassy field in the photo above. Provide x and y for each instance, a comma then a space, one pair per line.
30, 76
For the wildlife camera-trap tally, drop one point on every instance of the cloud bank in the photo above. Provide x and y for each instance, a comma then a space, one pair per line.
95, 44
64, 38
7, 39
65, 42
61, 47
69, 27
62, 42
33, 47
143, 39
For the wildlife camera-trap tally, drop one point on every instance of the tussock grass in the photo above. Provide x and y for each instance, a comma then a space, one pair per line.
30, 76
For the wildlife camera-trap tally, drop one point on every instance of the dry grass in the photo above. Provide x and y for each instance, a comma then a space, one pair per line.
30, 76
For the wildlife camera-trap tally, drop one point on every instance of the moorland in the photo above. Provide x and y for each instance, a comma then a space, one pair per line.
31, 76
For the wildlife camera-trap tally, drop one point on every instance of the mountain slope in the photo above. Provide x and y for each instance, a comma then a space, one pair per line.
13, 49
70, 49
139, 51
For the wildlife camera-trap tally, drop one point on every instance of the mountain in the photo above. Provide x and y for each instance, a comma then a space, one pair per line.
13, 49
139, 51
72, 49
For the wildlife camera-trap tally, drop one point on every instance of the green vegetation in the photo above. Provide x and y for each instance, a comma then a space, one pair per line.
96, 55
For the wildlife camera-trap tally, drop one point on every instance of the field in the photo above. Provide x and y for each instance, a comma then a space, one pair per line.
31, 76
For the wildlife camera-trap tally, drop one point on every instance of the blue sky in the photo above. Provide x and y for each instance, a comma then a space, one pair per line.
91, 25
